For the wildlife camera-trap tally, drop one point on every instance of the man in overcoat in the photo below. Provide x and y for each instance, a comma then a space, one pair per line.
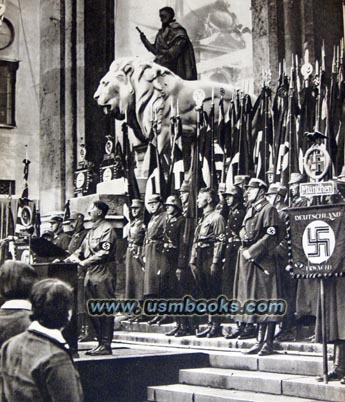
134, 262
153, 250
259, 237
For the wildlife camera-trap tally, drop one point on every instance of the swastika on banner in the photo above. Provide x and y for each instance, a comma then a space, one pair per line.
318, 241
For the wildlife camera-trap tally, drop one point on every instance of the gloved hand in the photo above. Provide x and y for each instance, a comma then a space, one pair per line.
215, 268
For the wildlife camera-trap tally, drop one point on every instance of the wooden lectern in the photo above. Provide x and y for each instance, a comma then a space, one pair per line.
68, 273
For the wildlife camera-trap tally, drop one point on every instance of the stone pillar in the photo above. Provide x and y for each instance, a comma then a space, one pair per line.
70, 96
265, 39
52, 105
99, 53
292, 30
80, 77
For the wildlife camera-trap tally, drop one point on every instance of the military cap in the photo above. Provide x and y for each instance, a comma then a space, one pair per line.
185, 187
136, 203
277, 188
241, 179
48, 233
232, 190
56, 219
174, 201
257, 183
73, 217
154, 198
297, 178
270, 171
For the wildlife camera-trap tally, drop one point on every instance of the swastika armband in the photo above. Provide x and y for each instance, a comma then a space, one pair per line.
105, 246
271, 231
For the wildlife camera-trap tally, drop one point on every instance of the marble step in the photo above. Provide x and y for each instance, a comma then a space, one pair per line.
279, 363
264, 382
189, 393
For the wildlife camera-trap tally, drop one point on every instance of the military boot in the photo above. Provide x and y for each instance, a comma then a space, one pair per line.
205, 332
267, 348
107, 325
248, 332
259, 340
185, 328
216, 330
175, 329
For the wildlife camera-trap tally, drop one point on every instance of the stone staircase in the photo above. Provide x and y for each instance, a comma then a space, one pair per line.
231, 376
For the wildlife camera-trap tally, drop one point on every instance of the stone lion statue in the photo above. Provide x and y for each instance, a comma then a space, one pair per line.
138, 88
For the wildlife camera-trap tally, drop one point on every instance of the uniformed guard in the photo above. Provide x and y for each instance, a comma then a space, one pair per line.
96, 256
307, 289
241, 181
287, 285
259, 237
76, 222
206, 258
237, 211
296, 200
174, 262
61, 239
153, 250
135, 266
270, 176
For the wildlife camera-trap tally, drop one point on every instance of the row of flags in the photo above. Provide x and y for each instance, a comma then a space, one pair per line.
254, 136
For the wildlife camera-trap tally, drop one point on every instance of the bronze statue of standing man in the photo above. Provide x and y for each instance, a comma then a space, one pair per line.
172, 46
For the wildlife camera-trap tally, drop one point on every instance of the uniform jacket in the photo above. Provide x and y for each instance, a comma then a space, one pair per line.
234, 223
76, 240
210, 232
62, 240
155, 230
98, 247
46, 372
260, 231
173, 240
136, 235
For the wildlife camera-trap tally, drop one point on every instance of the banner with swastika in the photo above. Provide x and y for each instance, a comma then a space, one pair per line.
317, 240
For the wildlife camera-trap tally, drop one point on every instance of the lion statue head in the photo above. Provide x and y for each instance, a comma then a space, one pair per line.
143, 91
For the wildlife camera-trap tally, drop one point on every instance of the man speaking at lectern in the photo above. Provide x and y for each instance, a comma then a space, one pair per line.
96, 257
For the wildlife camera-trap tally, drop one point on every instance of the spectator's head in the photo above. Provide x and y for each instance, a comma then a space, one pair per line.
51, 301
16, 280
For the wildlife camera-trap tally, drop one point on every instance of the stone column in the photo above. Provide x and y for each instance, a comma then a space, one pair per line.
52, 105
70, 95
265, 39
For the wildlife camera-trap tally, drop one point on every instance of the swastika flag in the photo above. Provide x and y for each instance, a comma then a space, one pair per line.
317, 240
